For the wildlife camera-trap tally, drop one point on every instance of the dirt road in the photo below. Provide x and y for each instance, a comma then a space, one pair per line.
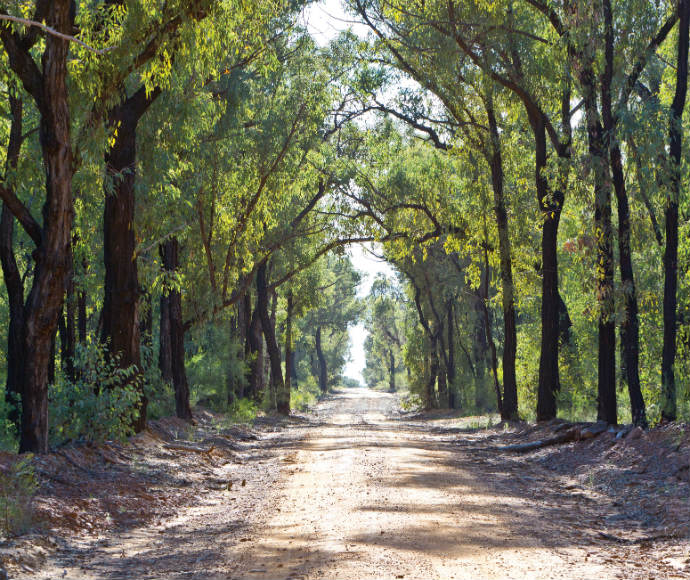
357, 491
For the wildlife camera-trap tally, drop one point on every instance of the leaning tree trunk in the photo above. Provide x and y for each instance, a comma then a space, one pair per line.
120, 330
268, 327
13, 278
509, 404
668, 380
171, 263
323, 370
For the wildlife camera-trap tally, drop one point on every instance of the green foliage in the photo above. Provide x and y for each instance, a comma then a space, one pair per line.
242, 411
101, 404
8, 431
18, 486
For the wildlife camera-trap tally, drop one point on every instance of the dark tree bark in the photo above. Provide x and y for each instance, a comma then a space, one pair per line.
121, 295
44, 303
283, 397
323, 369
255, 345
509, 405
668, 380
487, 326
68, 331
434, 364
268, 327
550, 206
629, 330
605, 265
164, 344
450, 363
391, 371
171, 263
81, 307
13, 278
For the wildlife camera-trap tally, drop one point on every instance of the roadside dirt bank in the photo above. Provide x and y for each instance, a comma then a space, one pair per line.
357, 490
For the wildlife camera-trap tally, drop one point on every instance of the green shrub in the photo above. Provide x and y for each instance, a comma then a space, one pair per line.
242, 411
8, 431
17, 489
160, 394
102, 403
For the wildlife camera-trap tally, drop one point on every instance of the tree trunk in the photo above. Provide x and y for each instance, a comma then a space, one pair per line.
121, 296
431, 400
81, 309
605, 266
668, 380
629, 329
171, 263
550, 206
391, 371
283, 399
52, 257
13, 278
487, 326
323, 370
509, 405
450, 364
255, 345
268, 325
68, 330
164, 344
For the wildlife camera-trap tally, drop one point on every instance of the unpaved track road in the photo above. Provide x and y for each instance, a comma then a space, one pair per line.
355, 491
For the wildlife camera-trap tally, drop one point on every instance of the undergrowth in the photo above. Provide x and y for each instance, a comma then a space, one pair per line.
18, 486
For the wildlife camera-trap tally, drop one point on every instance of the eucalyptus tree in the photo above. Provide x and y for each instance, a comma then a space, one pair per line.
385, 310
439, 44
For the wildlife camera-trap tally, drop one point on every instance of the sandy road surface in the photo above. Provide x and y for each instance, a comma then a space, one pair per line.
356, 491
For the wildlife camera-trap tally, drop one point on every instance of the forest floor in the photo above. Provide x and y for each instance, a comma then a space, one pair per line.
357, 489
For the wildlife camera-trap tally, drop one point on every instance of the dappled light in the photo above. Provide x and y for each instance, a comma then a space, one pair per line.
344, 289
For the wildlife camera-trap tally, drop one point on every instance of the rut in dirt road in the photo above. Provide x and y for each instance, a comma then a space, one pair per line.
357, 490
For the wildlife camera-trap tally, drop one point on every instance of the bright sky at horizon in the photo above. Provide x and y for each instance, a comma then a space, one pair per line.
370, 266
325, 20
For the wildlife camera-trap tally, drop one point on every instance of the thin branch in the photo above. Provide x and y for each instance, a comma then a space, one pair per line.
53, 32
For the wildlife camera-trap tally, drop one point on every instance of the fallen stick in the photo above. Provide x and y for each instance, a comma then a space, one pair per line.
572, 434
188, 447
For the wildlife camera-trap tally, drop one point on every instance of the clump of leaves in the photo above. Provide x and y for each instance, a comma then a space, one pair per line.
18, 486
101, 404
242, 411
